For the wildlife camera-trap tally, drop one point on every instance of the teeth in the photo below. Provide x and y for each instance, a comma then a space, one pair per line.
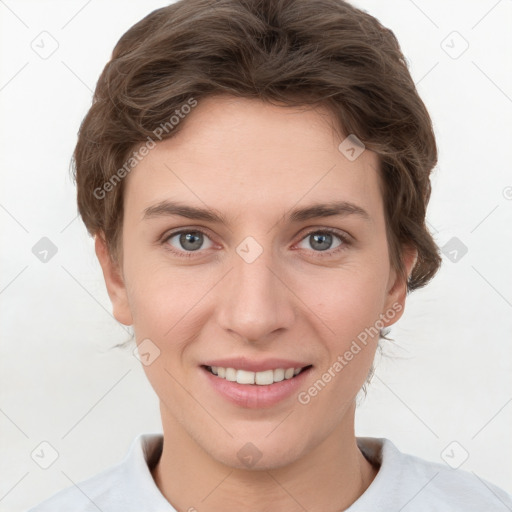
231, 374
244, 377
264, 378
279, 375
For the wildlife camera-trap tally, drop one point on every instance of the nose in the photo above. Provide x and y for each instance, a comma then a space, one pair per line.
255, 302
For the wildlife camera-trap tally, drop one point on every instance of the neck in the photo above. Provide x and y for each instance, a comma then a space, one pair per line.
330, 477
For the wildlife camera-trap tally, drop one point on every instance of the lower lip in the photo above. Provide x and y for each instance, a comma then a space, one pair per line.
254, 396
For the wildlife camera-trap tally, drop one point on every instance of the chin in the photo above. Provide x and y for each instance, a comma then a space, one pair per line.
250, 457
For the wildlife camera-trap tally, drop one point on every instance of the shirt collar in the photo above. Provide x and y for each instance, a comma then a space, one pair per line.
143, 454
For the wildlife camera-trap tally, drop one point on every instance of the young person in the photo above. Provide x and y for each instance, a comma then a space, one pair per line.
256, 177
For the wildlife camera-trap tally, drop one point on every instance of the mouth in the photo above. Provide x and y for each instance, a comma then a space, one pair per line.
256, 385
262, 378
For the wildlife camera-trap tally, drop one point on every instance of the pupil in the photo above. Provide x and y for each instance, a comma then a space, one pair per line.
322, 239
189, 238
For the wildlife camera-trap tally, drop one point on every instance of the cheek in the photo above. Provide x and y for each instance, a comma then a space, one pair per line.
168, 304
349, 308
161, 297
348, 299
165, 309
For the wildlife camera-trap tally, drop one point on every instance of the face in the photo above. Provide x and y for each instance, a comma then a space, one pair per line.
267, 281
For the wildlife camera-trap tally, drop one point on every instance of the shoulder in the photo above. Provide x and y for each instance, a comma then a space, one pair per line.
411, 483
84, 496
127, 486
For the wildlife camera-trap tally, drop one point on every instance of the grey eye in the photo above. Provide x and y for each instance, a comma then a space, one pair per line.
321, 240
189, 240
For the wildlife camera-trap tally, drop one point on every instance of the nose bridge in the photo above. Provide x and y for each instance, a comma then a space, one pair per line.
254, 301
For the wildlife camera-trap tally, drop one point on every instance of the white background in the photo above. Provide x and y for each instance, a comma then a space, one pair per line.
449, 372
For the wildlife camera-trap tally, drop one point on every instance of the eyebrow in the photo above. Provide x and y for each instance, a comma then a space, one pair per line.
335, 208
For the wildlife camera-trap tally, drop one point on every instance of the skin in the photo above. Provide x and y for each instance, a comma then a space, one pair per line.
255, 162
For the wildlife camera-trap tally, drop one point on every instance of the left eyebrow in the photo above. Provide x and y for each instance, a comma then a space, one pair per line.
341, 208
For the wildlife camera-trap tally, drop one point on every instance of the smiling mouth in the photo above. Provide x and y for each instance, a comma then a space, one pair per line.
264, 378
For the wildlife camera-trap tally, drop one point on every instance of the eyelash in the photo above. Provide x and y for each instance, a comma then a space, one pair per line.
330, 252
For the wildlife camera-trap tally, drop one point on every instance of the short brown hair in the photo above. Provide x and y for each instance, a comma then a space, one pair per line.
294, 52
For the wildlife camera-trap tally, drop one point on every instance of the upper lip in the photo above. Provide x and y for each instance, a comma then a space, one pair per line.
243, 363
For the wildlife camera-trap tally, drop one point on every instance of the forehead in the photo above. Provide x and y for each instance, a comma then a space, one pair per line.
243, 154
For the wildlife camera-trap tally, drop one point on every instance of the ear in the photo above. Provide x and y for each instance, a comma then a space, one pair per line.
114, 281
397, 291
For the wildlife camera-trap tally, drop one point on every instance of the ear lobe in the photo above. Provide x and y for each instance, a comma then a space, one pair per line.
398, 291
114, 282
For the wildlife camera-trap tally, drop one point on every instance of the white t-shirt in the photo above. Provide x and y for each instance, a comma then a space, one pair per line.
403, 483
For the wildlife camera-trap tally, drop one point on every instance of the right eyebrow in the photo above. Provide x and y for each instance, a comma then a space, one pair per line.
168, 208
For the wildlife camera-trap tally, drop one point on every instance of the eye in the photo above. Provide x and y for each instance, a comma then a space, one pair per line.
321, 240
187, 241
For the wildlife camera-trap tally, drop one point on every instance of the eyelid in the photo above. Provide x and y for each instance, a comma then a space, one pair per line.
344, 235
186, 229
